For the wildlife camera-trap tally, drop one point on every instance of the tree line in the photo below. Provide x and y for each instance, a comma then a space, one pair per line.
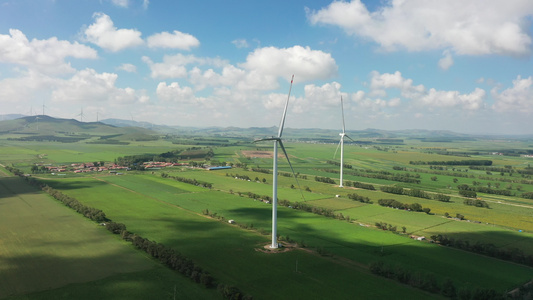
362, 199
414, 193
189, 181
476, 203
470, 162
469, 191
361, 185
399, 205
406, 177
136, 161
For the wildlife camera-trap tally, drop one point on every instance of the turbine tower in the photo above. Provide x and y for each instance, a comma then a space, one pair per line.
341, 143
277, 140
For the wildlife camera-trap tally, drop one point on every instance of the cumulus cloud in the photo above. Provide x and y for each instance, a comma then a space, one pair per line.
446, 61
474, 28
104, 34
121, 3
174, 93
379, 83
87, 86
429, 99
174, 66
175, 40
45, 55
128, 68
307, 64
472, 101
240, 43
518, 98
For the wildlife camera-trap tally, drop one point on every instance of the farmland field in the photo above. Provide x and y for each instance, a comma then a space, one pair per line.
334, 253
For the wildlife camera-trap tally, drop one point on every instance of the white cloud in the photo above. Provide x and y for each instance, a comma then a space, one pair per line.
121, 3
145, 4
380, 82
175, 40
305, 63
328, 94
428, 99
472, 101
104, 34
517, 99
473, 28
45, 55
446, 61
175, 93
174, 66
128, 68
87, 86
30, 86
240, 43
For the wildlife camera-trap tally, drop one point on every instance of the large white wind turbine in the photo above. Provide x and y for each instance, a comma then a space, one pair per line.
341, 143
277, 140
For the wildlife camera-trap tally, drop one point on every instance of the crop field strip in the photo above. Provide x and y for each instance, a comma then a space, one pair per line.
332, 243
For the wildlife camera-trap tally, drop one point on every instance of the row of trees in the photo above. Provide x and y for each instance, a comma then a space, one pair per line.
527, 195
188, 180
362, 199
512, 254
389, 227
136, 161
428, 282
399, 205
360, 185
338, 164
405, 177
470, 162
324, 179
414, 193
476, 203
480, 189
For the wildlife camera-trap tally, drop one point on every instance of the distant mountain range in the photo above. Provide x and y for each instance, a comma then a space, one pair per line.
43, 124
42, 127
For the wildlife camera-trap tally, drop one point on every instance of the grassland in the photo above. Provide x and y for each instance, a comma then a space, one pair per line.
171, 212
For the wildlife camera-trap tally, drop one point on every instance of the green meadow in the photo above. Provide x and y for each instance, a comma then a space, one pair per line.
333, 256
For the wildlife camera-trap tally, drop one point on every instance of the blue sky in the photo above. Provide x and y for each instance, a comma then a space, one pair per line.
453, 65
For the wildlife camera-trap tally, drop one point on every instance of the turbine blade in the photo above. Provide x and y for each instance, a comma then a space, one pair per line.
337, 148
285, 110
349, 137
266, 139
342, 108
292, 169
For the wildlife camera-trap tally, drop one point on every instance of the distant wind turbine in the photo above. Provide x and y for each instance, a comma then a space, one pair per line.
277, 140
81, 115
44, 107
341, 143
37, 120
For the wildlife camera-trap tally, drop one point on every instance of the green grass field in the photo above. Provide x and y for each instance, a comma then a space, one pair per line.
170, 212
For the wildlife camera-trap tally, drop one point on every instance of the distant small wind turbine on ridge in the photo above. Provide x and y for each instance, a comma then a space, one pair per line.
341, 144
277, 140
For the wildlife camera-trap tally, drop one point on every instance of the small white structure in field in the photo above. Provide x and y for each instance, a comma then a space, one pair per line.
337, 196
231, 221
